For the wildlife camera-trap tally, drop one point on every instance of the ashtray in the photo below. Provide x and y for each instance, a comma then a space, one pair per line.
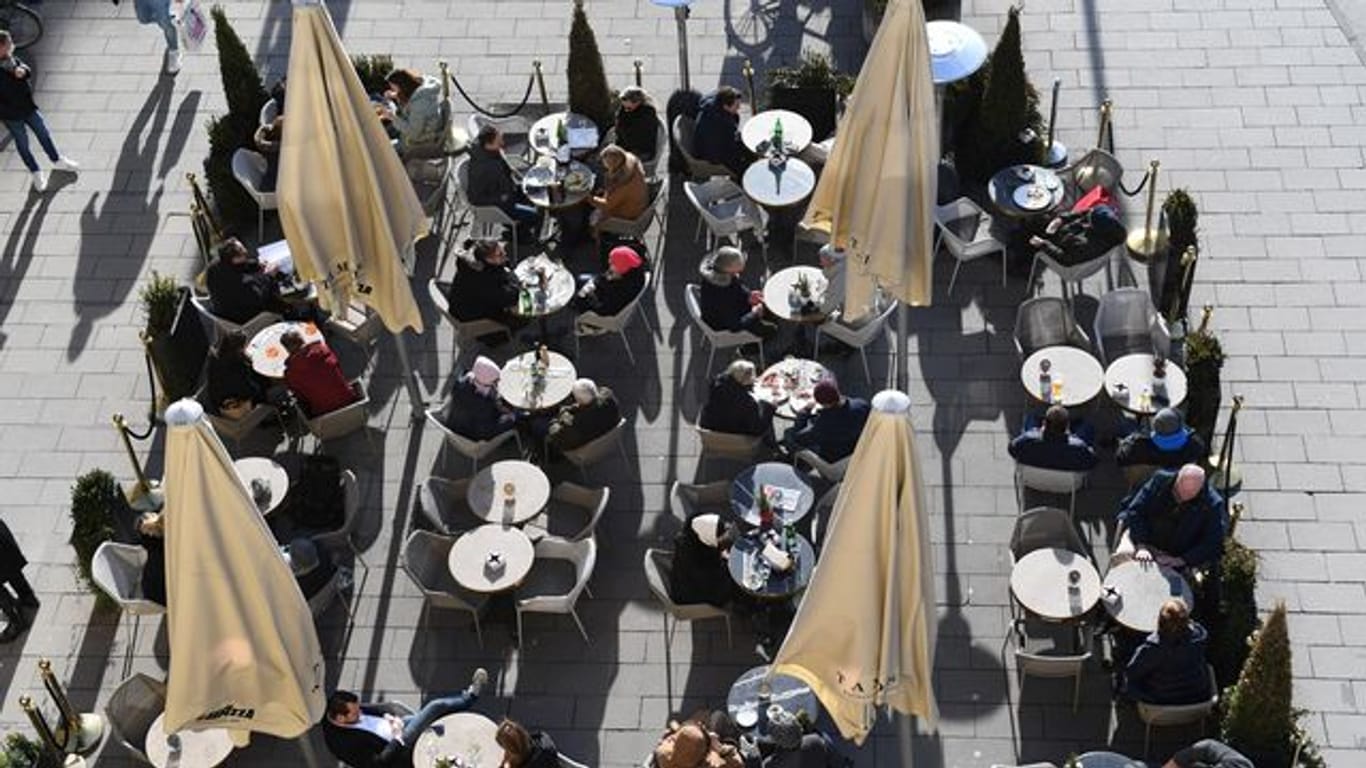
495, 564
777, 160
747, 717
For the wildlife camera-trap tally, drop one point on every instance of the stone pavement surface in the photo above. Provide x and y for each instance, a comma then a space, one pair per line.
1256, 106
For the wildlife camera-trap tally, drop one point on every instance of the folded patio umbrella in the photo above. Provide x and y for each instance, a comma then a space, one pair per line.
244, 652
347, 207
864, 634
876, 195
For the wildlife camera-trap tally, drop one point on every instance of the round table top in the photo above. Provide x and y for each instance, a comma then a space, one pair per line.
1040, 581
1108, 760
520, 389
489, 498
577, 184
788, 692
198, 749
1080, 373
466, 735
559, 285
758, 131
545, 133
469, 558
778, 186
790, 494
747, 554
1135, 372
789, 384
268, 355
1139, 590
780, 293
259, 468
1043, 191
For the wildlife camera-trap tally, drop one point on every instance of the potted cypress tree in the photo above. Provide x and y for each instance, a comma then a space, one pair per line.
19, 751
589, 94
176, 348
1182, 217
1237, 617
1007, 126
93, 500
228, 133
812, 90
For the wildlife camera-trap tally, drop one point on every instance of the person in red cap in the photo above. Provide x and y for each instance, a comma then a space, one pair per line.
609, 292
830, 426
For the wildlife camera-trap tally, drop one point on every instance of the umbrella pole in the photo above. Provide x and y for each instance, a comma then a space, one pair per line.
416, 396
903, 350
904, 737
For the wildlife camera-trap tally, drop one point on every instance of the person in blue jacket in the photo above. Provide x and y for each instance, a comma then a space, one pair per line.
1169, 666
833, 430
717, 138
1175, 518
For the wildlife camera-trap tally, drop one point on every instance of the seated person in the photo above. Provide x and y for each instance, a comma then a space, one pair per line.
1208, 753
1053, 446
239, 287
152, 537
277, 92
700, 573
312, 566
1175, 518
726, 303
693, 745
592, 413
832, 268
717, 138
1080, 236
609, 292
789, 745
492, 181
524, 749
731, 407
834, 429
417, 115
234, 387
1169, 666
485, 287
637, 123
267, 140
625, 194
475, 411
367, 737
1168, 445
315, 377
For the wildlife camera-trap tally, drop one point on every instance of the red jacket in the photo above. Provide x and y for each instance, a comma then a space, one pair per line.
315, 377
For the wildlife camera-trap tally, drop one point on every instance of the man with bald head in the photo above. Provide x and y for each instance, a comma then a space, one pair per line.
1175, 518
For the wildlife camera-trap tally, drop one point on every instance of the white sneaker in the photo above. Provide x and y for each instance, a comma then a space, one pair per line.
477, 683
173, 61
65, 163
39, 182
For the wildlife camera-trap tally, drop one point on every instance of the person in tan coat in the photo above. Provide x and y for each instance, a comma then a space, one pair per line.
625, 194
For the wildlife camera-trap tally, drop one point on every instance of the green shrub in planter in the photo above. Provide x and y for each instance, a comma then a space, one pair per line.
810, 89
20, 751
1259, 718
1008, 112
372, 70
589, 94
245, 95
159, 299
1182, 232
92, 522
1203, 359
1232, 628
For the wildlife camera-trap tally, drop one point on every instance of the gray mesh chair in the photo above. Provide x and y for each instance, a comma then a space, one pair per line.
550, 588
965, 230
598, 448
1177, 714
117, 570
684, 128
659, 564
466, 331
425, 556
444, 505
688, 499
1049, 662
486, 220
572, 515
1127, 323
591, 323
1046, 321
132, 708
474, 450
1044, 528
714, 338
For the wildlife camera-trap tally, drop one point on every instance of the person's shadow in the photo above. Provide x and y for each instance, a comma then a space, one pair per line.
116, 237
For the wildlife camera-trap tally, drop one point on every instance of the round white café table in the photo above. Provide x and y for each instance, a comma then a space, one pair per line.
578, 185
1135, 373
1041, 581
758, 131
780, 287
469, 558
545, 133
198, 749
520, 389
260, 468
467, 735
790, 385
1134, 592
268, 355
778, 186
1081, 374
490, 500
559, 285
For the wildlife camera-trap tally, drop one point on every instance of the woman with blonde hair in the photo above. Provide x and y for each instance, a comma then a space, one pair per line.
1169, 666
625, 194
524, 749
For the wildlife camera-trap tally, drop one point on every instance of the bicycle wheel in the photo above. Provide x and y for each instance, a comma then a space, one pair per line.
23, 24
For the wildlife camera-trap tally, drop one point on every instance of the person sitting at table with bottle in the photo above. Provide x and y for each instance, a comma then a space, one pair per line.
608, 292
525, 749
234, 387
591, 413
1167, 445
1175, 518
727, 304
625, 195
370, 736
700, 574
314, 375
1054, 445
485, 286
475, 410
1208, 753
1080, 236
717, 137
492, 182
731, 406
1168, 667
830, 424
240, 288
637, 123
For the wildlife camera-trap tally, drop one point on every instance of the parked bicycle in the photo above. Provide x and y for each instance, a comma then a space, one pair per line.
23, 23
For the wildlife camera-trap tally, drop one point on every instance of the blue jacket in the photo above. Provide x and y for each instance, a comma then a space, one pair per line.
831, 432
1193, 531
1169, 672
1032, 449
717, 138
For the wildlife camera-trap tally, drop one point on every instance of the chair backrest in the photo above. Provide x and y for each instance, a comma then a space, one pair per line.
566, 762
323, 598
437, 292
425, 556
659, 566
249, 168
591, 500
728, 443
344, 420
1044, 528
133, 707
687, 499
831, 472
440, 500
684, 128
1181, 714
582, 553
1049, 664
1044, 321
822, 514
1127, 323
863, 335
269, 111
350, 502
117, 570
959, 222
236, 429
596, 449
1049, 480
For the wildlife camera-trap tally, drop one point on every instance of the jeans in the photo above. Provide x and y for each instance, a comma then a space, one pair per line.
435, 710
159, 12
19, 130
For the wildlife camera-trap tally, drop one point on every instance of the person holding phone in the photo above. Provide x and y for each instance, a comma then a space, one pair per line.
20, 115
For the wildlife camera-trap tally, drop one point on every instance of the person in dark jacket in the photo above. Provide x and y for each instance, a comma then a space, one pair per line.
485, 287
717, 138
524, 749
726, 303
700, 573
312, 566
788, 744
314, 375
1080, 236
1053, 446
239, 287
12, 562
20, 115
1169, 444
609, 292
152, 537
1208, 753
592, 413
474, 410
834, 429
493, 182
731, 406
1169, 666
232, 381
1175, 518
637, 123
370, 737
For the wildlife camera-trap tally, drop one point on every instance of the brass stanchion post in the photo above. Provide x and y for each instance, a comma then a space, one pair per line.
145, 495
1149, 241
540, 83
79, 732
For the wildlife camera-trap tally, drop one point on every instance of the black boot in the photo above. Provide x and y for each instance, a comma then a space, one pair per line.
27, 597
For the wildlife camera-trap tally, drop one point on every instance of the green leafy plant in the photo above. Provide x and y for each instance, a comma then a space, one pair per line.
815, 70
20, 752
589, 94
1233, 626
159, 299
228, 133
1259, 719
92, 498
1182, 217
1008, 124
1204, 359
372, 69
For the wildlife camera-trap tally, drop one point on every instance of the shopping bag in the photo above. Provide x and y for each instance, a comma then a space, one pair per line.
194, 25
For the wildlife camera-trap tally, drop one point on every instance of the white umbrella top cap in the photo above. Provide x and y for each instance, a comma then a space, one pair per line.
891, 401
184, 413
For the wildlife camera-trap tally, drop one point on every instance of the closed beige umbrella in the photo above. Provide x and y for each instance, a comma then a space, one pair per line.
876, 195
863, 637
244, 652
347, 207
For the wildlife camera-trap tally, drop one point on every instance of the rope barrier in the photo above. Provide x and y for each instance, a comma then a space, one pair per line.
531, 80
1136, 190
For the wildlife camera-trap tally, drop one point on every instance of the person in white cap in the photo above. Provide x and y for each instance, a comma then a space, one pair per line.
699, 572
474, 410
1175, 518
591, 413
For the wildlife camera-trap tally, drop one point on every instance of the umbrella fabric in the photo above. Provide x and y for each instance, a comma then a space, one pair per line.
347, 207
876, 195
244, 652
864, 634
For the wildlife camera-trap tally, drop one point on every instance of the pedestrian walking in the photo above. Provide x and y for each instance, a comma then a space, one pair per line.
12, 604
20, 114
160, 13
